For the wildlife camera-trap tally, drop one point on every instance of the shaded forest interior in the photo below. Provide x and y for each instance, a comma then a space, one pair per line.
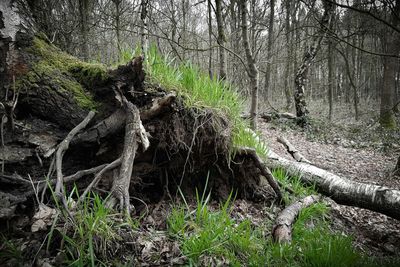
134, 132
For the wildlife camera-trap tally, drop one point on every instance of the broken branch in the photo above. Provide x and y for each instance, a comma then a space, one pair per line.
282, 229
292, 150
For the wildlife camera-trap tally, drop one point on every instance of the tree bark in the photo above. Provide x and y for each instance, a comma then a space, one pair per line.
269, 47
252, 70
144, 41
391, 46
282, 229
221, 40
308, 58
342, 190
84, 27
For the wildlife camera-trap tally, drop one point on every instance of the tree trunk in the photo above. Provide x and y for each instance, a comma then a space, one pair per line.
340, 189
84, 27
391, 46
144, 41
308, 58
221, 40
209, 17
330, 77
252, 70
269, 48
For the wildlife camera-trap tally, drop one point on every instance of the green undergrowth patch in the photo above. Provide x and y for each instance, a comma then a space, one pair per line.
198, 90
62, 72
95, 236
211, 237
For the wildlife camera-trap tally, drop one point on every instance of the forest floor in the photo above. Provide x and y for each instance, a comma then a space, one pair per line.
359, 154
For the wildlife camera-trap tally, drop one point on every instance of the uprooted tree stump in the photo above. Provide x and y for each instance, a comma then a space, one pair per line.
53, 136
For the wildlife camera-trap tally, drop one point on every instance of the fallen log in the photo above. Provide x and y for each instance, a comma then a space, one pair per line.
282, 228
292, 150
342, 190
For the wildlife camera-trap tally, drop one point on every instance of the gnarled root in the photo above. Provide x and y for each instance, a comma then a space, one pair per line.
135, 134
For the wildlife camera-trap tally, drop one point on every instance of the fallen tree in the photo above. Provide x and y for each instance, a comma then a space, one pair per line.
51, 138
342, 190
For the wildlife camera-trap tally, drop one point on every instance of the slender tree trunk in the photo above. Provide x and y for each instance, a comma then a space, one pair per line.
269, 47
118, 24
289, 55
308, 58
330, 77
209, 38
144, 41
84, 27
391, 43
252, 68
221, 39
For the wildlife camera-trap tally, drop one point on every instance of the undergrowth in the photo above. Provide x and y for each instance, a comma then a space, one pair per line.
211, 237
93, 237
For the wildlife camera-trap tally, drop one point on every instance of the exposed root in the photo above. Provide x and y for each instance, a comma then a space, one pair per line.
263, 169
135, 134
63, 147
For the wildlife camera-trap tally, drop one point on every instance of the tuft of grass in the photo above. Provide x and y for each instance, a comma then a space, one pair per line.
198, 90
91, 236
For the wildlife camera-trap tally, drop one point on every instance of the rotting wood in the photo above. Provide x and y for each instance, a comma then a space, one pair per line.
258, 162
282, 229
292, 150
64, 146
342, 190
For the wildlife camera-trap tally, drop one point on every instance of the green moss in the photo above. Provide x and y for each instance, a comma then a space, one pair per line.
63, 72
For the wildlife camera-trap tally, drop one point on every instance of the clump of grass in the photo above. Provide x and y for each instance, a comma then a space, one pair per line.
197, 89
91, 237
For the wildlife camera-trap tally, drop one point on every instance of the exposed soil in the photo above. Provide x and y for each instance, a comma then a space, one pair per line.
374, 233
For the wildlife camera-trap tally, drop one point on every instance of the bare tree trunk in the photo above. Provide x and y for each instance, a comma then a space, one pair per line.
221, 40
269, 47
391, 43
209, 38
289, 55
144, 41
252, 70
117, 4
84, 27
308, 58
330, 76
